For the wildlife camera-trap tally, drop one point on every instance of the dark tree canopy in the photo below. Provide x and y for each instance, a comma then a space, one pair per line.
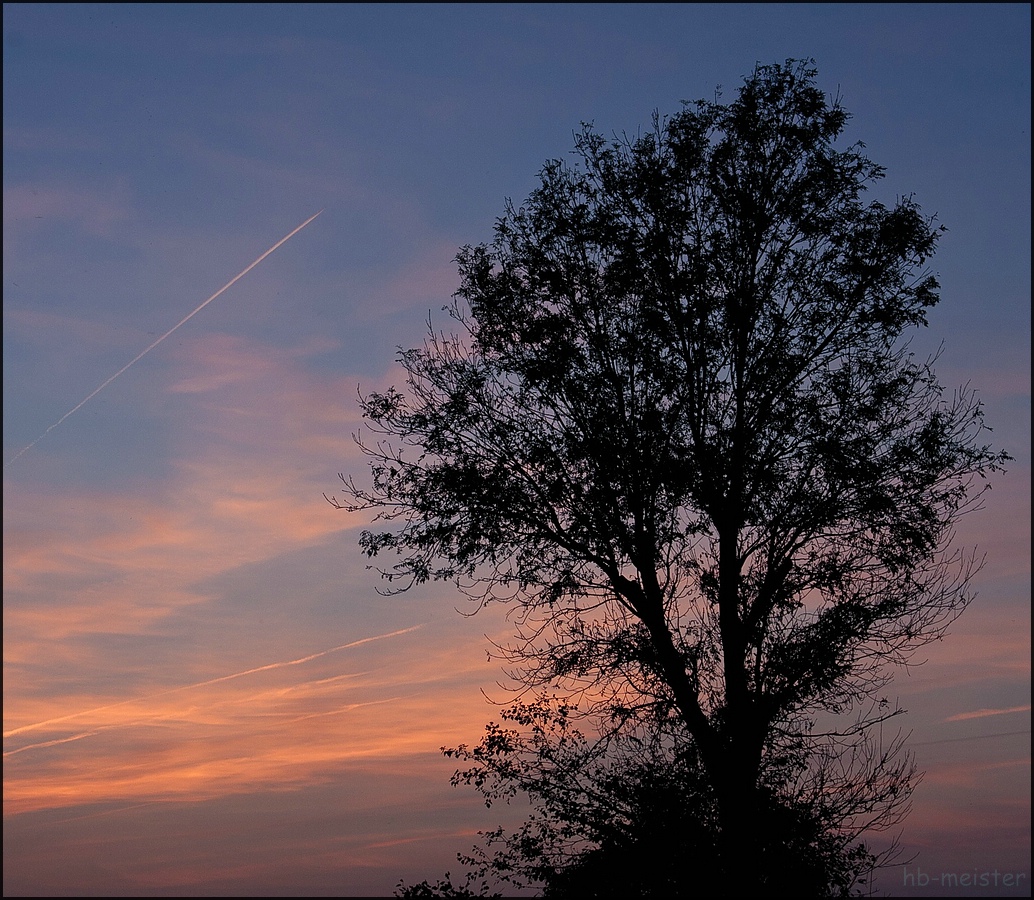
681, 431
633, 815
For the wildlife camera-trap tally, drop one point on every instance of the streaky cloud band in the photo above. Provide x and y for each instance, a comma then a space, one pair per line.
198, 684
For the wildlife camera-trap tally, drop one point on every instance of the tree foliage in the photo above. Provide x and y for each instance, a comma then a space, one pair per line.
633, 815
680, 430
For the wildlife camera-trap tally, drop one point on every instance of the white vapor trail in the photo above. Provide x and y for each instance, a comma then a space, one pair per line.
144, 352
198, 684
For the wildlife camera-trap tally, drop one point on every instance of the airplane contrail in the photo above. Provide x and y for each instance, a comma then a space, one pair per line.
983, 713
144, 352
187, 687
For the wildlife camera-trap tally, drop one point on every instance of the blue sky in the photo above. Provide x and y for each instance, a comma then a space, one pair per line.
172, 532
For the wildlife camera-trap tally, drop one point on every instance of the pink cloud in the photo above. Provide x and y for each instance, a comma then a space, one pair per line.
259, 730
424, 283
260, 439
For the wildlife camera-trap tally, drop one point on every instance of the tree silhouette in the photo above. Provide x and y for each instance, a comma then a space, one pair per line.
680, 431
633, 815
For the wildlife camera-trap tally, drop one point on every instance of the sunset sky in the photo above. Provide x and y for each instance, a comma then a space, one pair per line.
204, 694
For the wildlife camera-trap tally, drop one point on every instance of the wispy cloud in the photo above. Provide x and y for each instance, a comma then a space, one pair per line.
247, 468
254, 671
110, 591
213, 739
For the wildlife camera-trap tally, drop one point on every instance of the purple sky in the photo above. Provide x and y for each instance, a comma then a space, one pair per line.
203, 692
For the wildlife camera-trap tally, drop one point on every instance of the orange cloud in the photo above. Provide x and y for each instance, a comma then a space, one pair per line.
260, 729
91, 576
